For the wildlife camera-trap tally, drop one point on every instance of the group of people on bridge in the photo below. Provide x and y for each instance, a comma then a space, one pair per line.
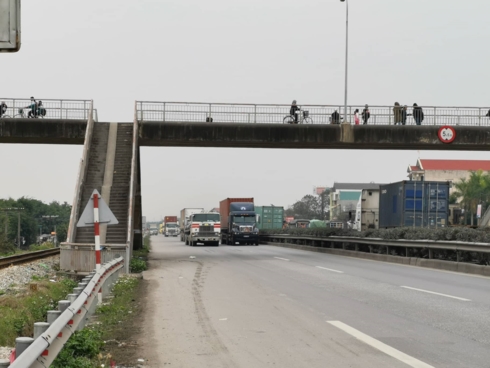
400, 114
36, 109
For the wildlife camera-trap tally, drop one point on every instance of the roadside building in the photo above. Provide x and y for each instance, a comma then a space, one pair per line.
355, 202
445, 170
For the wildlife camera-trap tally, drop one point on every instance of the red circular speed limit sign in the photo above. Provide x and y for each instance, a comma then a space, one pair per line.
446, 134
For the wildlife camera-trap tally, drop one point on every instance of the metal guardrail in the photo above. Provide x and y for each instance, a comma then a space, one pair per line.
55, 109
43, 350
320, 114
428, 244
28, 257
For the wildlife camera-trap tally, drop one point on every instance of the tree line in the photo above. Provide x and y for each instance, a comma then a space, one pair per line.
311, 207
471, 192
36, 217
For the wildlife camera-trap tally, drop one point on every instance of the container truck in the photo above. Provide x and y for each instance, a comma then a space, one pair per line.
238, 221
414, 204
185, 213
203, 228
269, 217
170, 226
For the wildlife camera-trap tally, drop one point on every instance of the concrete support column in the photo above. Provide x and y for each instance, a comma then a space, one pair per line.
357, 247
431, 255
387, 250
71, 297
458, 256
406, 252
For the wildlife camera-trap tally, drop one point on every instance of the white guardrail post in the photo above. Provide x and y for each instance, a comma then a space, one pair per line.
49, 338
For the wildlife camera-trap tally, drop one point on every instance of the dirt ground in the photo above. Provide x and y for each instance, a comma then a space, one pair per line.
124, 343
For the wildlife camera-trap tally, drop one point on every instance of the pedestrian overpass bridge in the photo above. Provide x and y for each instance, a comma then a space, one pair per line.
111, 154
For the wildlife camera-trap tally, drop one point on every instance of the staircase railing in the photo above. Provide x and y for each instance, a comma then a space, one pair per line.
485, 220
132, 192
82, 176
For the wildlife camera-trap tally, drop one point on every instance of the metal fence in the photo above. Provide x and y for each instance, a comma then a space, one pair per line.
55, 109
319, 114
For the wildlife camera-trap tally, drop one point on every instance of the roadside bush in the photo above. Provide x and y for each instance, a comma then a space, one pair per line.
80, 349
137, 265
442, 234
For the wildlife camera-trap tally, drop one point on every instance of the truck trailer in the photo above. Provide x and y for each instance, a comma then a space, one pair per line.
185, 214
414, 204
269, 217
238, 221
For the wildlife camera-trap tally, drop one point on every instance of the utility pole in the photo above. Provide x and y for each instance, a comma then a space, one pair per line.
13, 209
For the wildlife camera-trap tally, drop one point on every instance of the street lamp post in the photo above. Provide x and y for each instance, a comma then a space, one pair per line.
346, 54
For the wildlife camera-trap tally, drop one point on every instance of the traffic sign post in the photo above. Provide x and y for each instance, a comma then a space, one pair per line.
96, 211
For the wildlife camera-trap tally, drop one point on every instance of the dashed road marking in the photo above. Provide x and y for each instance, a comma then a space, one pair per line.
388, 350
282, 259
329, 269
433, 292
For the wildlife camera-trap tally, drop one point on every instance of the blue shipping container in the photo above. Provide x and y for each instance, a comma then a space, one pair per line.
414, 204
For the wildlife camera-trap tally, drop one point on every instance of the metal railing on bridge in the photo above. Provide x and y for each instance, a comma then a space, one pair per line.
319, 114
55, 109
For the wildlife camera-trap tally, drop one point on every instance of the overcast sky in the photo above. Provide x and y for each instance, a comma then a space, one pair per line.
246, 51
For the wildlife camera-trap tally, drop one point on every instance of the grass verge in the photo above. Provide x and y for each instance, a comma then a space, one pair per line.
19, 312
87, 348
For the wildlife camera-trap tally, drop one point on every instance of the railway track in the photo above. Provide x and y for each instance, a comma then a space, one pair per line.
28, 257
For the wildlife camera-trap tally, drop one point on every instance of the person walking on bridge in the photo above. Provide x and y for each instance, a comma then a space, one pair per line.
404, 115
418, 114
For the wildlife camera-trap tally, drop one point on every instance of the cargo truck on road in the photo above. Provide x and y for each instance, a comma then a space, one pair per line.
170, 226
238, 221
203, 228
185, 214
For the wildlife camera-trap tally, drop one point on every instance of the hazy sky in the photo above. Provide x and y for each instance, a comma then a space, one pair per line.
248, 51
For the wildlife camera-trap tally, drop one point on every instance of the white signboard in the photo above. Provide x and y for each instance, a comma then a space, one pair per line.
9, 25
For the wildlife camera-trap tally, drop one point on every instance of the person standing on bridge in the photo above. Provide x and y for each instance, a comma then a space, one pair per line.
335, 117
418, 114
293, 111
3, 108
404, 115
365, 114
397, 112
356, 117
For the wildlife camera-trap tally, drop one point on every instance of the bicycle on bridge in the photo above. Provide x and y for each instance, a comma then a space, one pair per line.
303, 118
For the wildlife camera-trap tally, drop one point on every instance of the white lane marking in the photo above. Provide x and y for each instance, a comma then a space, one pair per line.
388, 350
282, 259
223, 319
433, 292
329, 269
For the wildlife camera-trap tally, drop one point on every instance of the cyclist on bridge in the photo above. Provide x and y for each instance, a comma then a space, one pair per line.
292, 111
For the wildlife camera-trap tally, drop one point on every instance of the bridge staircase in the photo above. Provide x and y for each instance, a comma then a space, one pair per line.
110, 164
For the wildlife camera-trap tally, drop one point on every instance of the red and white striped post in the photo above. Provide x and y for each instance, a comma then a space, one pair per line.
97, 240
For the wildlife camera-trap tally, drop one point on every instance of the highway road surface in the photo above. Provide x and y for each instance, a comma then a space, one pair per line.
267, 306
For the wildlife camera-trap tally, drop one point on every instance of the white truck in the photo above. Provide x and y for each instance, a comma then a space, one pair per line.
184, 219
203, 228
